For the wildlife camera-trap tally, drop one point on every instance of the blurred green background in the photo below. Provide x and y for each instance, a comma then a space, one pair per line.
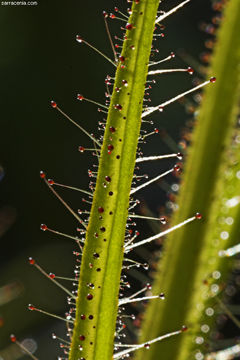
40, 61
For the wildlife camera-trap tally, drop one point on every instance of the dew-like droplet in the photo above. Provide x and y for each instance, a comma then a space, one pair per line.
81, 149
31, 261
51, 275
79, 38
53, 104
162, 296
190, 70
149, 286
125, 83
50, 181
177, 168
179, 156
147, 346
80, 97
112, 129
31, 307
107, 178
42, 174
54, 336
198, 216
213, 79
118, 107
43, 227
13, 338
110, 147
89, 296
105, 14
129, 26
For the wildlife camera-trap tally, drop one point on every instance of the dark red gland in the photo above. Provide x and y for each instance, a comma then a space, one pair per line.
110, 147
81, 148
179, 155
177, 168
13, 338
118, 107
213, 79
147, 346
53, 104
42, 174
81, 337
112, 129
116, 9
52, 276
89, 296
31, 307
190, 70
112, 16
129, 26
172, 54
105, 14
121, 58
79, 38
107, 178
125, 83
156, 131
43, 227
50, 181
83, 317
149, 286
100, 210
184, 328
31, 261
80, 97
198, 216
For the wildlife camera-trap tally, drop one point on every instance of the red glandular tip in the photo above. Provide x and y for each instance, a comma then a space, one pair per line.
51, 275
80, 97
13, 338
79, 38
116, 9
177, 168
118, 107
31, 261
81, 148
121, 58
184, 328
42, 174
129, 26
43, 227
213, 79
198, 216
53, 104
105, 14
50, 181
112, 16
31, 307
190, 70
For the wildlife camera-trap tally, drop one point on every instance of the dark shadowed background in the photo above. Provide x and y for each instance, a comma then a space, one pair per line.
40, 61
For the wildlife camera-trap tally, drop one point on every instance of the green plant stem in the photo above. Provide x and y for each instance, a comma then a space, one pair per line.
106, 229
